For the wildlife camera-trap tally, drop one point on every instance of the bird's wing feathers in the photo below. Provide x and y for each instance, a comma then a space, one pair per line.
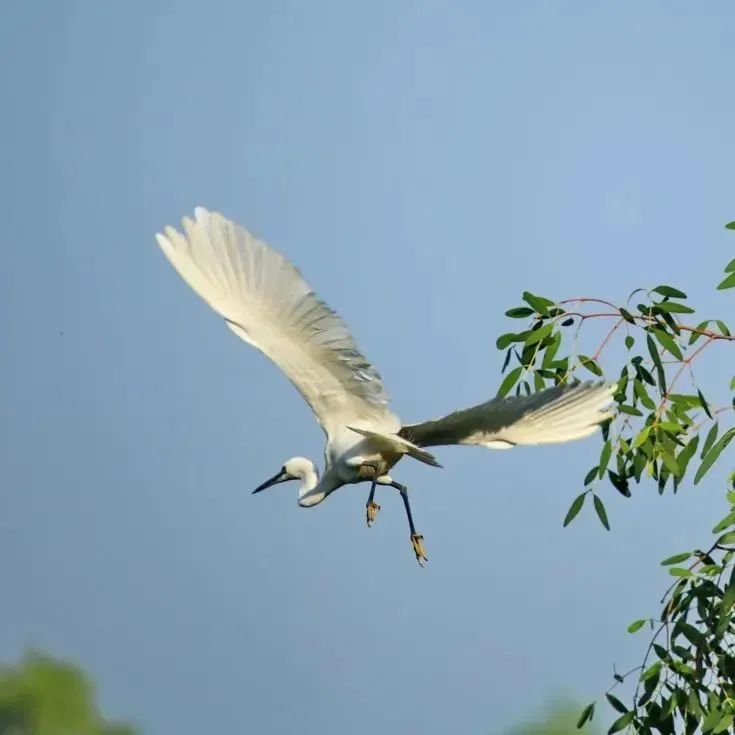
265, 301
559, 414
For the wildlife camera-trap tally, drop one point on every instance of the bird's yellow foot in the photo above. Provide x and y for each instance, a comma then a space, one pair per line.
371, 510
418, 548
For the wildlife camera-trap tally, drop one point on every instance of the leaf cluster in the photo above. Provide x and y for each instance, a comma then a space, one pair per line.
659, 424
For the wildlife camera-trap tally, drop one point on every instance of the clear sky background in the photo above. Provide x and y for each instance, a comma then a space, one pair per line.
423, 163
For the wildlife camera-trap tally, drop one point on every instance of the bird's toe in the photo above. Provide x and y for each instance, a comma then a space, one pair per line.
417, 541
371, 510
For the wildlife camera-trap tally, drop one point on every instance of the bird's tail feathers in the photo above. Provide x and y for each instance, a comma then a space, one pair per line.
398, 443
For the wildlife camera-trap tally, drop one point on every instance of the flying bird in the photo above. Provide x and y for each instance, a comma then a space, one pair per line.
266, 302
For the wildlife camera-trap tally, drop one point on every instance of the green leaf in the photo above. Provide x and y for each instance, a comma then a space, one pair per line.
629, 342
710, 440
619, 483
642, 436
668, 343
538, 381
711, 456
687, 453
621, 723
601, 512
676, 558
704, 403
685, 399
727, 538
674, 307
730, 267
574, 509
640, 391
726, 522
519, 312
652, 672
539, 304
506, 340
551, 350
729, 282
732, 383
691, 633
627, 316
694, 706
712, 719
587, 714
537, 335
728, 599
506, 362
670, 291
590, 364
696, 335
604, 458
616, 703
660, 373
590, 475
730, 225
630, 410
636, 625
680, 572
670, 461
673, 325
723, 327
644, 374
568, 322
509, 381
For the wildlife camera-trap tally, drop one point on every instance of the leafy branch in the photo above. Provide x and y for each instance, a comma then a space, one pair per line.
656, 431
663, 425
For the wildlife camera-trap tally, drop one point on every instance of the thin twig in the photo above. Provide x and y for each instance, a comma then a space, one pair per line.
647, 319
596, 356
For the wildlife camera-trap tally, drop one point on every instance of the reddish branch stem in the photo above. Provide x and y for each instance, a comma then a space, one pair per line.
596, 356
693, 330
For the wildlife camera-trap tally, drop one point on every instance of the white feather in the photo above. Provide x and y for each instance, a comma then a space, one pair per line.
559, 414
267, 303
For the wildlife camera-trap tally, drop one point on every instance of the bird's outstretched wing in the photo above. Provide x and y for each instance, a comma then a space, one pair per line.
265, 301
559, 414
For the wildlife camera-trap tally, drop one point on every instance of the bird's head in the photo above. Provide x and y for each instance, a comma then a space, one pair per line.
296, 468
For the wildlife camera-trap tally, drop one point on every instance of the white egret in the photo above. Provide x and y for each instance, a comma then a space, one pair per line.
264, 300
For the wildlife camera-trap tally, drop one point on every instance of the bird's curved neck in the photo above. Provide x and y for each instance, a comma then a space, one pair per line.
312, 489
309, 480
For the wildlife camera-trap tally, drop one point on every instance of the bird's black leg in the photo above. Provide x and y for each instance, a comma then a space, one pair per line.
371, 507
417, 540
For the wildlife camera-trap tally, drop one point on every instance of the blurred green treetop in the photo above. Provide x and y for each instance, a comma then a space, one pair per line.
45, 696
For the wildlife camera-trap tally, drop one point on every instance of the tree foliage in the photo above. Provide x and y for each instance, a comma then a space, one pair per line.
44, 696
667, 430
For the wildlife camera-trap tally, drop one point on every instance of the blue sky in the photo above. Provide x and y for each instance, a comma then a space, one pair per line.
423, 163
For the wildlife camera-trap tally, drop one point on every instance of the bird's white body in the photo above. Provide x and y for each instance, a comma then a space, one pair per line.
265, 301
343, 462
346, 455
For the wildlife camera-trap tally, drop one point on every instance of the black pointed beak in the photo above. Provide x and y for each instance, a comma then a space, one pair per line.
280, 477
